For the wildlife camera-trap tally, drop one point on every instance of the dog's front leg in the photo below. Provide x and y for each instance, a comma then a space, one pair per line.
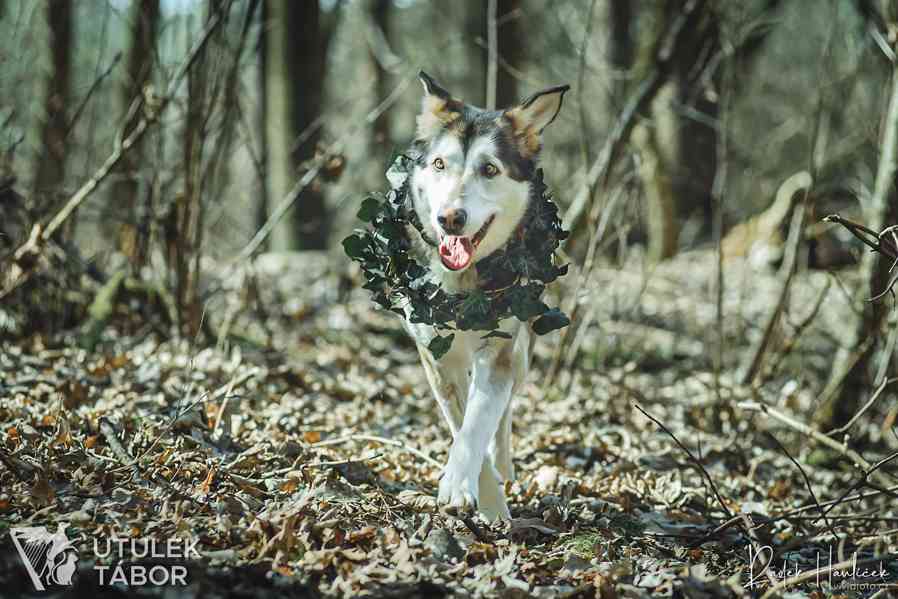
468, 465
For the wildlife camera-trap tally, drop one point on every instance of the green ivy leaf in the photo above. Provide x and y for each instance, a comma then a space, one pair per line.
355, 246
438, 346
475, 304
550, 321
369, 210
526, 305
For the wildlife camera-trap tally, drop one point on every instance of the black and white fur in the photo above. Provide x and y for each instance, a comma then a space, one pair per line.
475, 381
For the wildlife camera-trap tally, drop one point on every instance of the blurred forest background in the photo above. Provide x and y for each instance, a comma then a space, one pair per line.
163, 134
176, 177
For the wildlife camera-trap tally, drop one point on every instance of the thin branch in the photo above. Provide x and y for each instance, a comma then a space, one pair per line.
691, 457
581, 80
382, 440
600, 171
814, 434
885, 243
807, 481
863, 479
151, 115
316, 165
90, 92
796, 234
26, 256
876, 395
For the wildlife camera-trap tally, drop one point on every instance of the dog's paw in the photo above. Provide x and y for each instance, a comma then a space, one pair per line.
459, 489
491, 502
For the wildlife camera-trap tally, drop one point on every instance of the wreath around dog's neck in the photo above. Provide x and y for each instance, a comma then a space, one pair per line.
510, 281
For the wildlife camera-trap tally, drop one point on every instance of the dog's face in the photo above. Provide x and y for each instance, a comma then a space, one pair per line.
472, 186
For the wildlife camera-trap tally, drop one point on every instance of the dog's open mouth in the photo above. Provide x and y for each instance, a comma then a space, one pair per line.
457, 252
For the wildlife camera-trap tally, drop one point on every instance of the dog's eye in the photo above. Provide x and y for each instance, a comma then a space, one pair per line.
490, 170
439, 164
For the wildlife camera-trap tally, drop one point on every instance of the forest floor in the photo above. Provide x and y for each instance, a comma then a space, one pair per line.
303, 452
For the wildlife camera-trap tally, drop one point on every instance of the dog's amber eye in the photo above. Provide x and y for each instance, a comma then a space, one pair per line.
490, 170
439, 164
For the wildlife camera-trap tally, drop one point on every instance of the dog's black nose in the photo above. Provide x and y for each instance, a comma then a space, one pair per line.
452, 220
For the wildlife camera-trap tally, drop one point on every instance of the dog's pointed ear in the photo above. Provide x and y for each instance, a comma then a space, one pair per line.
438, 108
431, 87
533, 115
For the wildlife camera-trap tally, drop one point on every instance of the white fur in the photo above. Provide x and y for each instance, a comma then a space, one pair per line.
475, 397
462, 185
474, 382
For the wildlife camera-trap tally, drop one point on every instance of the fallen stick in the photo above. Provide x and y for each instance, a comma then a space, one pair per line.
383, 440
859, 461
691, 457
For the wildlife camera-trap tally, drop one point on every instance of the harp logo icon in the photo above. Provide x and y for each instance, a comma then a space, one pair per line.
49, 558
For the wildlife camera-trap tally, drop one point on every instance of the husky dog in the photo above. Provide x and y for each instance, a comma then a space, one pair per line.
470, 189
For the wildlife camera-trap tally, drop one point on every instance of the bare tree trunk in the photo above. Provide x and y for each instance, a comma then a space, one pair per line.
511, 51
380, 15
467, 72
620, 13
680, 153
189, 205
295, 51
853, 361
126, 211
50, 172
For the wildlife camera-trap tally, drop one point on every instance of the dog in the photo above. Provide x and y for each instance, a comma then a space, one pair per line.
470, 189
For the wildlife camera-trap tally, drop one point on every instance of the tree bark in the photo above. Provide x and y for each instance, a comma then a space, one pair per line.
380, 14
126, 211
50, 171
295, 52
466, 75
682, 151
511, 52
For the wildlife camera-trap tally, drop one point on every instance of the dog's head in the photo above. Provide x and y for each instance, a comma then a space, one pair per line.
471, 188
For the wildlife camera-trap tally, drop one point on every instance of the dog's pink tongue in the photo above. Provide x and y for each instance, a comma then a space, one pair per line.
456, 252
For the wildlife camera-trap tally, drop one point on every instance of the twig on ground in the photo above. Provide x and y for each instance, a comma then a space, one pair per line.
201, 399
341, 462
797, 512
691, 457
808, 431
383, 440
861, 481
807, 481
